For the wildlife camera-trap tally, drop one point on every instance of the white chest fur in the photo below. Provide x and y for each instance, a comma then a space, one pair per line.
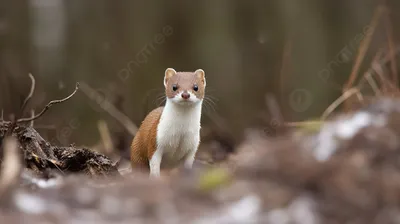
178, 134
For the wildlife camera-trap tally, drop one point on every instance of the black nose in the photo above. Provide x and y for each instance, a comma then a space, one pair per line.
185, 96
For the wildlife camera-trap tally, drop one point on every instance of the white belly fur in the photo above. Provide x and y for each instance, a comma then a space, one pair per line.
178, 133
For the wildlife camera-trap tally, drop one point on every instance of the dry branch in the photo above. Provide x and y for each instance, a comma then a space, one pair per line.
111, 109
30, 93
105, 137
48, 106
340, 100
32, 116
391, 46
363, 49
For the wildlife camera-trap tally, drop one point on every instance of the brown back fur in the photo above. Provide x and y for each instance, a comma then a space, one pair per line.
144, 143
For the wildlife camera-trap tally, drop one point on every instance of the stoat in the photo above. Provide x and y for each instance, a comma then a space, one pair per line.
170, 135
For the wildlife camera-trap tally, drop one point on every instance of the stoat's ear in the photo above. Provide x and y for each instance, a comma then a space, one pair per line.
201, 75
168, 74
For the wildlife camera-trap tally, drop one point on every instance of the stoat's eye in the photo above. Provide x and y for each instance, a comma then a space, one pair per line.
195, 87
174, 87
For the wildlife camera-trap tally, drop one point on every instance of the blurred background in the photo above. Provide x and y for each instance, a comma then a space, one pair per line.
299, 52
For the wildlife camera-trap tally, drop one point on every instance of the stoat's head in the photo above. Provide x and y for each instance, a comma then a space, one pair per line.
185, 88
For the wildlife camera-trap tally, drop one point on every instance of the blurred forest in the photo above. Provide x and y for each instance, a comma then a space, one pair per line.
301, 52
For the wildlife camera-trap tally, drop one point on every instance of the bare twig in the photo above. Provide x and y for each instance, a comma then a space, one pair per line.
2, 115
11, 166
48, 106
340, 100
391, 45
32, 115
30, 93
111, 109
363, 49
105, 137
303, 123
377, 68
373, 84
368, 74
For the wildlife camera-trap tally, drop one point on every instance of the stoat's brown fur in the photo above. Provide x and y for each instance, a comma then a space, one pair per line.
144, 143
171, 134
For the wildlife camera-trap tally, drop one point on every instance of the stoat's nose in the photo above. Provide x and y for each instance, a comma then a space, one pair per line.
185, 96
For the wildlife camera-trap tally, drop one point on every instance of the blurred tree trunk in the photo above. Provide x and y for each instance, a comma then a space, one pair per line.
14, 54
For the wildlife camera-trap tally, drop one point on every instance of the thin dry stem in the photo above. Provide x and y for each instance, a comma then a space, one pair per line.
340, 100
363, 49
391, 46
111, 109
32, 115
368, 74
33, 83
49, 105
301, 123
373, 84
105, 137
381, 74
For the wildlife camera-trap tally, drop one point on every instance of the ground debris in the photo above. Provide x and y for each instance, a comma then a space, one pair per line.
280, 180
40, 156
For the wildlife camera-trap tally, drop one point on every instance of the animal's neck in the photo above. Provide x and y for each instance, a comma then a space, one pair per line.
186, 114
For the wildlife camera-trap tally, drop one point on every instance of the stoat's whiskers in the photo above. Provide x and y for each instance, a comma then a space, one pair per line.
209, 104
160, 99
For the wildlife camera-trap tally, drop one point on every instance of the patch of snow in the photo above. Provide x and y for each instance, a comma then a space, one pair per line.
47, 183
29, 203
333, 132
348, 128
245, 209
302, 211
326, 143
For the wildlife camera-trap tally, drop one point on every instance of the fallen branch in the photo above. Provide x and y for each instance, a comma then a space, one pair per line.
111, 109
48, 106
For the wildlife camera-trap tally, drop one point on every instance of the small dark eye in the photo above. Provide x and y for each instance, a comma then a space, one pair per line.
195, 88
174, 87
